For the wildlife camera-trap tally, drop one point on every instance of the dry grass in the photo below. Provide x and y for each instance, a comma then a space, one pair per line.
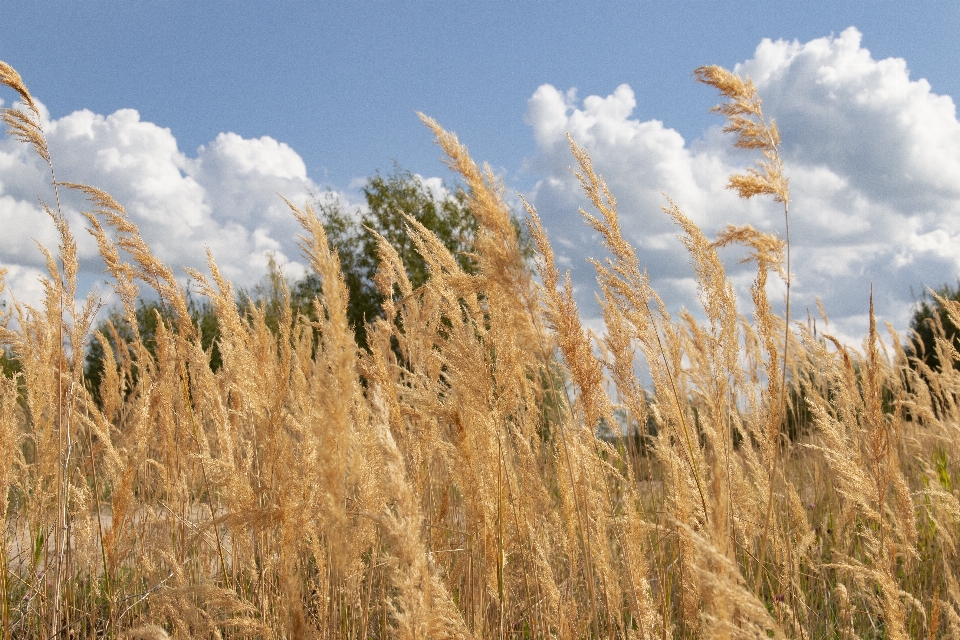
450, 482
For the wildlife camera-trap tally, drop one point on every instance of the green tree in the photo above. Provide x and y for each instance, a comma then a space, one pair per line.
268, 295
148, 315
929, 317
9, 364
353, 235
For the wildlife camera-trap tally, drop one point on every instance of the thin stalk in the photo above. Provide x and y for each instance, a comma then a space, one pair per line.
96, 505
203, 468
365, 611
535, 619
62, 495
62, 485
781, 410
683, 420
573, 485
500, 533
4, 591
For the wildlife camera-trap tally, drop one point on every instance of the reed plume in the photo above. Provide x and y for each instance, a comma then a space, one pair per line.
485, 466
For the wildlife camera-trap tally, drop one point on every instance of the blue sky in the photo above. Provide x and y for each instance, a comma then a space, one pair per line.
325, 94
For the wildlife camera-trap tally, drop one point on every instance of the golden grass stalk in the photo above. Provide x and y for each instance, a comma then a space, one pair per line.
745, 118
487, 468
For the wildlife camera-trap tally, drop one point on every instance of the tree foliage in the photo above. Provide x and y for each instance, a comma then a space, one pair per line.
353, 234
930, 320
149, 313
9, 365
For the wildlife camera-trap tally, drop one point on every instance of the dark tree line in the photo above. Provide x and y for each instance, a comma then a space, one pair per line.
929, 319
353, 235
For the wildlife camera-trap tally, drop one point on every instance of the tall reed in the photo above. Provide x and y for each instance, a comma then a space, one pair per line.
487, 467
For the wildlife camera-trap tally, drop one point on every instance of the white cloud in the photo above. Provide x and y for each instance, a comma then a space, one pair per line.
225, 197
873, 158
24, 282
435, 186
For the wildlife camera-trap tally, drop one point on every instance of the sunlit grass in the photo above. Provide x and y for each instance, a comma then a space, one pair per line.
478, 470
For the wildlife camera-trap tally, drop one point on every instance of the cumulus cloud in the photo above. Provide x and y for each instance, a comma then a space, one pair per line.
874, 162
224, 198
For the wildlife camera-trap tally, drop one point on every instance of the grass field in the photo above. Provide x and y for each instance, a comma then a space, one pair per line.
486, 469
